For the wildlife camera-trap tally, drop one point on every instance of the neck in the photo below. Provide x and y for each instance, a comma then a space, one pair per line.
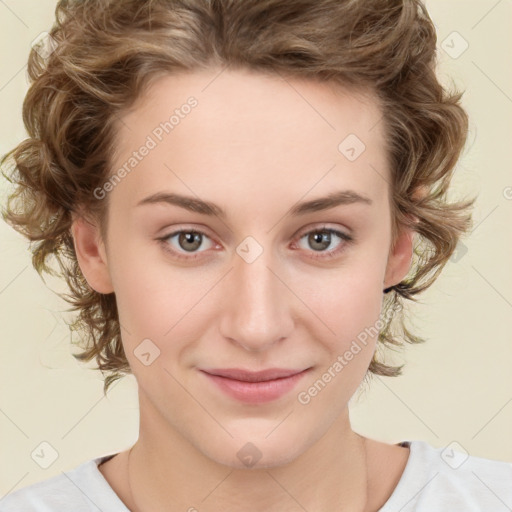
164, 468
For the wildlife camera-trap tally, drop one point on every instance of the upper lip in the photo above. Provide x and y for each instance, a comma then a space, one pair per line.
250, 376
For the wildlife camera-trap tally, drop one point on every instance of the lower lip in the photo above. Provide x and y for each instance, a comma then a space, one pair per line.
256, 392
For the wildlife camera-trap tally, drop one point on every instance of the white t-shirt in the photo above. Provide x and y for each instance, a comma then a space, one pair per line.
434, 480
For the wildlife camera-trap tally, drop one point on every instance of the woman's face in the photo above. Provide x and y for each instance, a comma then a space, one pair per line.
225, 254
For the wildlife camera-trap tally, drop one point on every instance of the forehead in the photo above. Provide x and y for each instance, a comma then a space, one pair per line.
251, 130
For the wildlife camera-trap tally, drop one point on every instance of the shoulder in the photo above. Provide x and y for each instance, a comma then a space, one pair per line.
80, 489
449, 479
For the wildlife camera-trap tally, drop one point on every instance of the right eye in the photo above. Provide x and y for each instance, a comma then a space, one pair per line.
187, 241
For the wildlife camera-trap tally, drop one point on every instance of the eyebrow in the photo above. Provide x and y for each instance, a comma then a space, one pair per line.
343, 197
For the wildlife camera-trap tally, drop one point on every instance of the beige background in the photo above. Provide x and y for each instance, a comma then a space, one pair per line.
456, 387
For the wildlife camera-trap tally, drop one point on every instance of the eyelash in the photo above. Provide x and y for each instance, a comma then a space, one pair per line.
317, 254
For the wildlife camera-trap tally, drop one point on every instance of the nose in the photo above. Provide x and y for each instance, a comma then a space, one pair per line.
256, 306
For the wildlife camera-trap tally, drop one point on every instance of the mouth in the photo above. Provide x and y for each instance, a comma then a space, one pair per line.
249, 376
255, 386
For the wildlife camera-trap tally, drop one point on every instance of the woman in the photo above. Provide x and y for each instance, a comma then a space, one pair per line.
241, 196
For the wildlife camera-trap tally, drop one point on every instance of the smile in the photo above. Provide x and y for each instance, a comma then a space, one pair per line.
255, 387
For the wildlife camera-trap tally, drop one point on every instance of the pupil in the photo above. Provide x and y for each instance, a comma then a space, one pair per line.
190, 238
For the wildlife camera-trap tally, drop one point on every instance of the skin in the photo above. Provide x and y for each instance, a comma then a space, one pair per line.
255, 145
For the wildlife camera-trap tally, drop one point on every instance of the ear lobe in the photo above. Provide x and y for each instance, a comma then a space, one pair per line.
91, 255
400, 258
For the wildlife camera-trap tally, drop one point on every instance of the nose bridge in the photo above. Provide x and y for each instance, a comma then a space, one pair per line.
256, 313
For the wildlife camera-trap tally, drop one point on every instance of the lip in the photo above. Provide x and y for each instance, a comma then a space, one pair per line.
255, 387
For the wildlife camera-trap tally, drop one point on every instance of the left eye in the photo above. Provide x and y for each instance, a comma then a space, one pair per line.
319, 240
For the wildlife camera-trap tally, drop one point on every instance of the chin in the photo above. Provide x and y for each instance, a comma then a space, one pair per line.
258, 451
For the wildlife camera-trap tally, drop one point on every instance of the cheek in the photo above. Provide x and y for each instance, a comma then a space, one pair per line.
146, 298
150, 304
344, 301
157, 302
350, 307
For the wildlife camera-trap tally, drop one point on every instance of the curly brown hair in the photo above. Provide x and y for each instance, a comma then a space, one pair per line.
107, 52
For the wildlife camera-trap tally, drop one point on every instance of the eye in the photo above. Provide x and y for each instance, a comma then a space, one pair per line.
321, 239
186, 241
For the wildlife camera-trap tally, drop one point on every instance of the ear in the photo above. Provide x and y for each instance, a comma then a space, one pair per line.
91, 254
399, 258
